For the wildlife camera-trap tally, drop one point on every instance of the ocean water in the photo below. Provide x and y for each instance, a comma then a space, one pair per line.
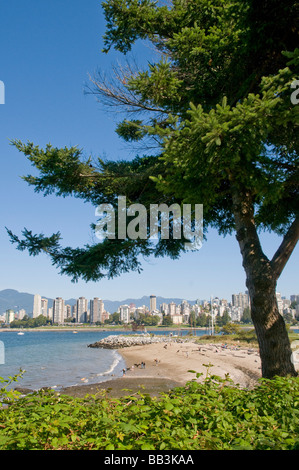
57, 358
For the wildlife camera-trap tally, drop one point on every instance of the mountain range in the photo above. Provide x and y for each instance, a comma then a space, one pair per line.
10, 298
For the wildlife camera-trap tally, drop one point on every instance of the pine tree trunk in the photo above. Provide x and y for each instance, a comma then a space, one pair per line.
275, 350
261, 279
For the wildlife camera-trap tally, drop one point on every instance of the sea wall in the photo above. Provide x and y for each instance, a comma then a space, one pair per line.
125, 341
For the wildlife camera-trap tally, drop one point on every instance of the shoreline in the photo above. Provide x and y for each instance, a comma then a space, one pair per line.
175, 360
167, 366
105, 329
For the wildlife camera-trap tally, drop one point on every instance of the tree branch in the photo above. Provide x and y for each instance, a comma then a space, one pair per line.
114, 91
286, 248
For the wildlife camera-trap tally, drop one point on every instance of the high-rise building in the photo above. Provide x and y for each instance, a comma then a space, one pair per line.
279, 303
58, 310
50, 313
124, 313
44, 307
22, 313
240, 300
171, 308
196, 309
96, 310
67, 311
82, 309
164, 308
37, 305
153, 303
185, 308
74, 311
9, 315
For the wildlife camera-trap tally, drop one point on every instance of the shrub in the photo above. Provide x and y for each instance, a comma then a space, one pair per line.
213, 414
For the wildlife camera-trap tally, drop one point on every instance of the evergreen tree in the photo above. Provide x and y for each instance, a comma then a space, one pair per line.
202, 320
167, 320
246, 315
218, 106
224, 319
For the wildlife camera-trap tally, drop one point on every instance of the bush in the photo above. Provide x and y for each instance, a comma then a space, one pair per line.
214, 414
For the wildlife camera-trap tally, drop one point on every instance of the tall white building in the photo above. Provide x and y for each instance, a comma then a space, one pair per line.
96, 310
37, 305
82, 309
153, 303
124, 311
9, 315
196, 309
240, 300
44, 307
22, 313
58, 310
164, 308
185, 308
74, 311
67, 311
279, 303
171, 308
50, 313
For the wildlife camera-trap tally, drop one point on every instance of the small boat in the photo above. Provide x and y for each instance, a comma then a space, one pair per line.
75, 332
20, 333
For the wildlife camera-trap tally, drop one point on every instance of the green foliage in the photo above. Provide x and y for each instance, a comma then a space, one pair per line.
218, 106
167, 320
28, 322
246, 315
130, 131
223, 319
203, 320
9, 395
212, 415
231, 328
147, 320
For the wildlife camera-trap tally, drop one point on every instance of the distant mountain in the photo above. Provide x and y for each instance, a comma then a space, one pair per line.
10, 298
112, 306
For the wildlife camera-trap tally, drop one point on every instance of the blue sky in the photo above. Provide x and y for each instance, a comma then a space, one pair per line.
48, 49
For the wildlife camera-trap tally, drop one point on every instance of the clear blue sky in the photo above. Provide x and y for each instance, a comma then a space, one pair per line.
47, 51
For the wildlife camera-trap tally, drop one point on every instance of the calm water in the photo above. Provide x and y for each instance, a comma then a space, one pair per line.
60, 358
56, 359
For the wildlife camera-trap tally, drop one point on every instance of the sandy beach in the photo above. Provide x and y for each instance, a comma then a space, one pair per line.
167, 366
173, 361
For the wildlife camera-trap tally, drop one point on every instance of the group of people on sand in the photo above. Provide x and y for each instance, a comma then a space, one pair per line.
142, 364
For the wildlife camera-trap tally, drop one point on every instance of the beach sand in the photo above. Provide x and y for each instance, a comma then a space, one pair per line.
167, 367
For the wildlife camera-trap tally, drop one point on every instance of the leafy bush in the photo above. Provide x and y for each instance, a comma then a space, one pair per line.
214, 414
28, 322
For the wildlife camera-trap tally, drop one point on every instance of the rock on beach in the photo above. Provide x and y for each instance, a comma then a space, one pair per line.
126, 341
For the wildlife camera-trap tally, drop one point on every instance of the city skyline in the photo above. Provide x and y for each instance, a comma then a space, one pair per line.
82, 304
46, 103
93, 311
